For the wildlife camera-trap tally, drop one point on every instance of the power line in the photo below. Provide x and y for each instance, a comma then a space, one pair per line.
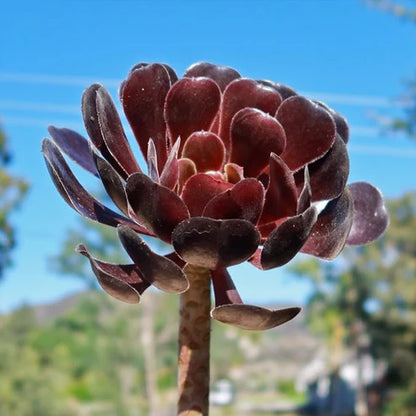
347, 99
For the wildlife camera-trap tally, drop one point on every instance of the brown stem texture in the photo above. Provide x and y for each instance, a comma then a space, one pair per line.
194, 342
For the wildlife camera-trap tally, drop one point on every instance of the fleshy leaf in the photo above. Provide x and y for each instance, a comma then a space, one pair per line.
281, 194
341, 123
187, 169
122, 281
113, 183
233, 172
206, 149
90, 117
75, 146
370, 215
283, 90
143, 97
76, 196
170, 173
331, 230
287, 239
155, 269
151, 158
222, 75
310, 131
158, 208
244, 200
213, 243
305, 197
224, 288
253, 318
329, 174
243, 93
113, 133
253, 129
200, 189
191, 105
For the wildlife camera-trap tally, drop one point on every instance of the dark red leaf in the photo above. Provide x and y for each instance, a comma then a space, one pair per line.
191, 105
90, 116
155, 269
206, 150
253, 318
370, 214
113, 133
224, 288
243, 93
213, 243
76, 196
122, 281
287, 239
143, 98
254, 135
310, 131
331, 230
200, 189
244, 201
158, 208
281, 194
222, 75
75, 146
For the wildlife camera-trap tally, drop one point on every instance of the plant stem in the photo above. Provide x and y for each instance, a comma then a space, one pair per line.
194, 341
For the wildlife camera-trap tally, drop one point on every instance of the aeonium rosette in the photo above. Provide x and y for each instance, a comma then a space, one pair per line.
236, 170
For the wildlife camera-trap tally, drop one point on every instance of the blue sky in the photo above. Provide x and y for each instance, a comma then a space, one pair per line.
354, 57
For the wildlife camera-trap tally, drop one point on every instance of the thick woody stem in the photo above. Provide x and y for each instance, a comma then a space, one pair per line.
194, 341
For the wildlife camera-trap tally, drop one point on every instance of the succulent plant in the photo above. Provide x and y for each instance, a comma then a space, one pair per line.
237, 170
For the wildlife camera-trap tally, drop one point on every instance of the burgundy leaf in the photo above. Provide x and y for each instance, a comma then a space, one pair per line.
213, 243
113, 183
152, 167
222, 75
155, 269
281, 195
254, 135
310, 131
75, 146
90, 116
143, 98
122, 281
233, 172
243, 93
305, 197
170, 173
370, 215
287, 239
329, 174
76, 196
158, 208
224, 288
200, 189
187, 169
253, 318
191, 105
331, 230
341, 123
113, 133
206, 149
244, 201
283, 90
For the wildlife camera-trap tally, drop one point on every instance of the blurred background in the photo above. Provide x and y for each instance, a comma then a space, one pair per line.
68, 349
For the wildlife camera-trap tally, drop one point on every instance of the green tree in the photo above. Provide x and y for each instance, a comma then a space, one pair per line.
407, 122
367, 299
12, 191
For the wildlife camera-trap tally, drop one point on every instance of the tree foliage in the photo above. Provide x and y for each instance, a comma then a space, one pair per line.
372, 290
12, 191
